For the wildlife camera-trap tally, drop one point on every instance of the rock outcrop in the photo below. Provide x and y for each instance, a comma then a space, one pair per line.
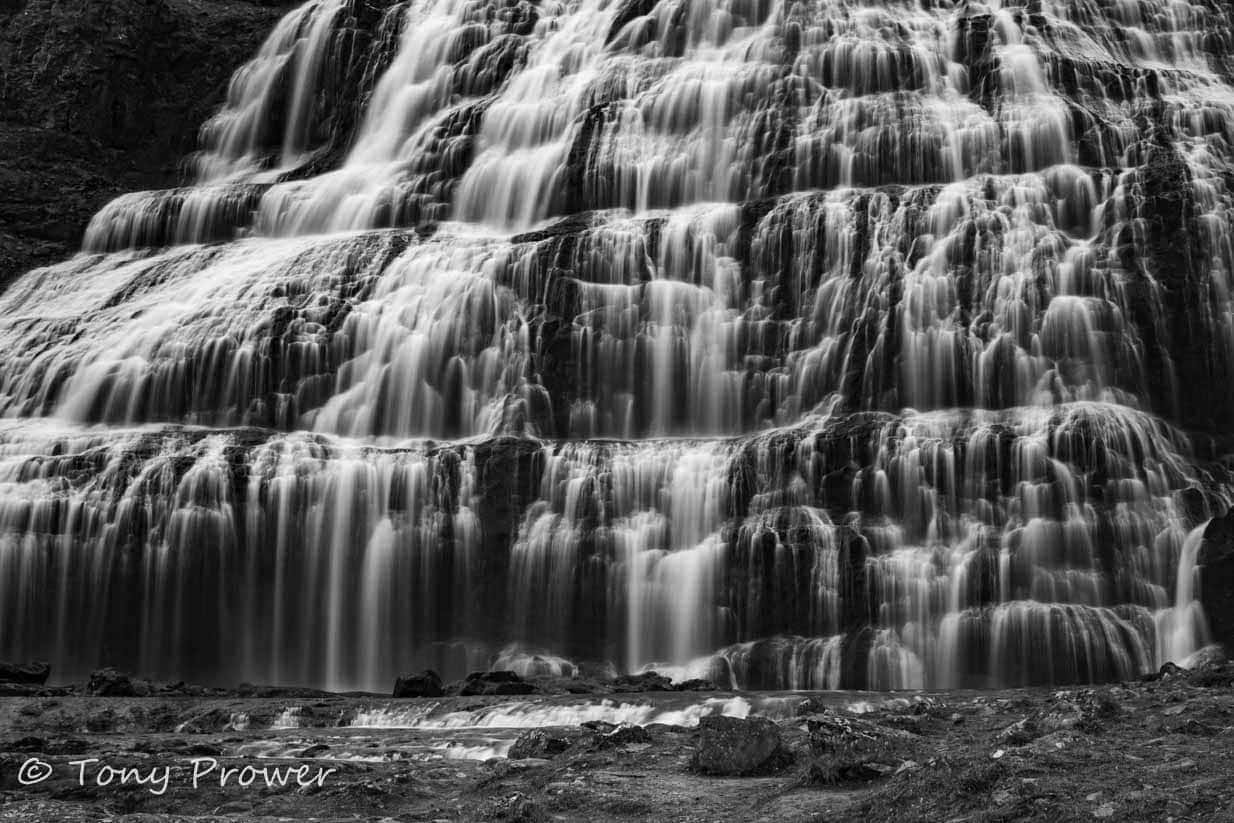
495, 683
1216, 565
32, 674
731, 746
100, 97
427, 684
112, 683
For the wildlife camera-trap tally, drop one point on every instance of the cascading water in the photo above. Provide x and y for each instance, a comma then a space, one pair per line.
796, 345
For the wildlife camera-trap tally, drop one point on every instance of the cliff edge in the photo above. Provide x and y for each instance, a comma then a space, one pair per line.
100, 97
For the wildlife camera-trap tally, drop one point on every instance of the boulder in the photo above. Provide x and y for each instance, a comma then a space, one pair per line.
112, 683
623, 736
731, 746
284, 692
833, 732
545, 743
34, 674
579, 685
1211, 668
495, 683
1169, 671
427, 684
1207, 657
643, 682
22, 690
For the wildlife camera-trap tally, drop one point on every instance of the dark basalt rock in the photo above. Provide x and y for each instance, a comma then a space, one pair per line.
644, 682
628, 11
546, 743
495, 683
1169, 671
509, 471
112, 683
99, 97
284, 692
427, 684
1216, 563
622, 736
731, 747
26, 673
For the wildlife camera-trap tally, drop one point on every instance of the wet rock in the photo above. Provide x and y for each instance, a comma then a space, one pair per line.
545, 743
831, 731
1214, 675
695, 685
427, 684
731, 746
1169, 671
20, 690
495, 683
603, 670
623, 736
26, 673
643, 682
598, 726
628, 11
112, 683
1216, 567
1208, 657
286, 692
848, 750
580, 685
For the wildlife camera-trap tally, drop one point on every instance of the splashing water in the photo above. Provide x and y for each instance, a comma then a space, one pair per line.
531, 715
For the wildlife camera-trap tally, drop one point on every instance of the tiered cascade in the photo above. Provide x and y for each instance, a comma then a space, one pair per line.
796, 345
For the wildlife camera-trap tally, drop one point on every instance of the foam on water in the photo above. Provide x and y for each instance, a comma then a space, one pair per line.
528, 715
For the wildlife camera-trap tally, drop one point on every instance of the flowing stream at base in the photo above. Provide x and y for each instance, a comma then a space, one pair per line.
865, 344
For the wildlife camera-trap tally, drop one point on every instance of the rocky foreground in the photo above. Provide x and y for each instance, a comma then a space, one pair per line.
1154, 750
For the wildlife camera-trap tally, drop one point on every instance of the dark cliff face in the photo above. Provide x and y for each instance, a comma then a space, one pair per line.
99, 97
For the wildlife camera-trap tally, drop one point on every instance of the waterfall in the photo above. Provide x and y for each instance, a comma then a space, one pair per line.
864, 344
